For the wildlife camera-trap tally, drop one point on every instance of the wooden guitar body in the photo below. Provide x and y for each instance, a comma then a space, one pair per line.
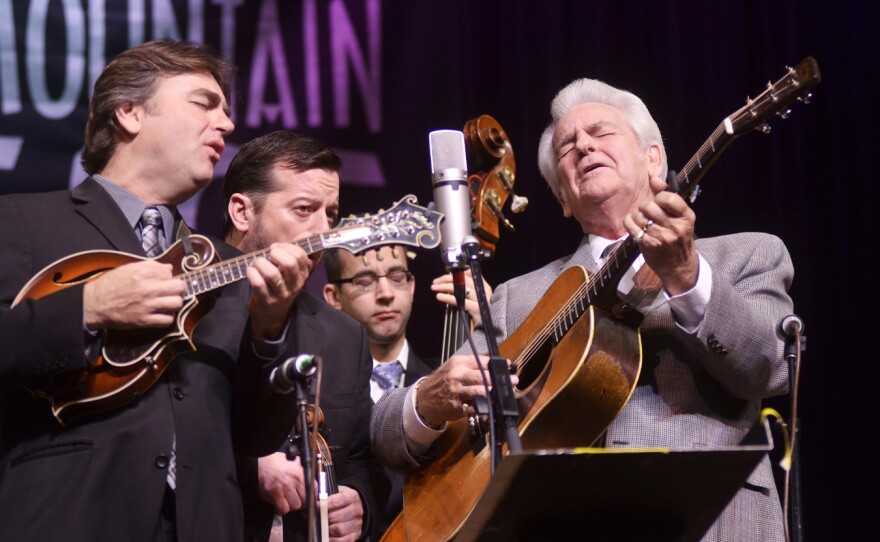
568, 395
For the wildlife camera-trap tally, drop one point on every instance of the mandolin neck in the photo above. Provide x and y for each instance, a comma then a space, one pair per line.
226, 272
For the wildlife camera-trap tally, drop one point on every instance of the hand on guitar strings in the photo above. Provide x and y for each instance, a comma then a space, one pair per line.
664, 229
135, 295
447, 393
276, 281
443, 288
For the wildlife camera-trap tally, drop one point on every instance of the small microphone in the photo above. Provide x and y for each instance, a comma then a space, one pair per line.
788, 329
790, 325
449, 178
284, 377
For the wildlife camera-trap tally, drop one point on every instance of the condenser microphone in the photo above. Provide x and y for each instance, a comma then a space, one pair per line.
451, 194
284, 377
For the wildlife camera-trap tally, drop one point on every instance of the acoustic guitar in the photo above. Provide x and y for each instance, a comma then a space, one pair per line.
132, 360
578, 354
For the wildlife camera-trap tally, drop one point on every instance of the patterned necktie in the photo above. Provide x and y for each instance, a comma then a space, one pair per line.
151, 221
387, 375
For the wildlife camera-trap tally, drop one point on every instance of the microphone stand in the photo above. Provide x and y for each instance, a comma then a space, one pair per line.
502, 395
795, 343
305, 451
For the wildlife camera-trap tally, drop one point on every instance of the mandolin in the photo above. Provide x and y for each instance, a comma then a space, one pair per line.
131, 361
579, 351
490, 154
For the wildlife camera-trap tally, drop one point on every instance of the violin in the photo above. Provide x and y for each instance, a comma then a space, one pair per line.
324, 472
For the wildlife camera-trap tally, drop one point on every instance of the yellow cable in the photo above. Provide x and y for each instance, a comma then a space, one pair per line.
785, 463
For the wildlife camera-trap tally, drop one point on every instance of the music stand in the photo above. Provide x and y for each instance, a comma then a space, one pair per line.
613, 493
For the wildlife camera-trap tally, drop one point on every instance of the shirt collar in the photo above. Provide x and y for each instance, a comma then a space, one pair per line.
402, 357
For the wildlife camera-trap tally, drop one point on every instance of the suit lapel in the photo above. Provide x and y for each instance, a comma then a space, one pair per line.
95, 205
583, 256
415, 369
309, 331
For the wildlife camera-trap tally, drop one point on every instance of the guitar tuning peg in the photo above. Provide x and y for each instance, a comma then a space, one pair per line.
519, 203
806, 99
764, 128
784, 114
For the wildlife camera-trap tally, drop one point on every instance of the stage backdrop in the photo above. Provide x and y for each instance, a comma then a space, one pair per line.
373, 77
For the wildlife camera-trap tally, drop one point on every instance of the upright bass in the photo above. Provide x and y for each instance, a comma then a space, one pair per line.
491, 183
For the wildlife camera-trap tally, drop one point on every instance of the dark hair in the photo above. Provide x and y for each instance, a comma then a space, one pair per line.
333, 260
131, 78
250, 172
333, 264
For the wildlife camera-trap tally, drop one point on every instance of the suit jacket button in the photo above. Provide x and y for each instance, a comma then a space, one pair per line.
178, 394
161, 462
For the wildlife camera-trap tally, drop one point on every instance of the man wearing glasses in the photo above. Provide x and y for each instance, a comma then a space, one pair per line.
376, 289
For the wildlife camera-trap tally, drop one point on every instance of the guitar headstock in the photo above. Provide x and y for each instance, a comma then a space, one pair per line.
796, 84
405, 223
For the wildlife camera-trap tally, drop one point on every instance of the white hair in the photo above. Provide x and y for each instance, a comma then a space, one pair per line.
581, 91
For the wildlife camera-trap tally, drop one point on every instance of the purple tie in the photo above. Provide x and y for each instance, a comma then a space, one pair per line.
387, 375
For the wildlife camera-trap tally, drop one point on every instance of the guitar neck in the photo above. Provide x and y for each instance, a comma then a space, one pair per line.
604, 282
226, 272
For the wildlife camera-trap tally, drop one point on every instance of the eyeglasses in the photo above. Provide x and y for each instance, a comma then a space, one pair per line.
366, 282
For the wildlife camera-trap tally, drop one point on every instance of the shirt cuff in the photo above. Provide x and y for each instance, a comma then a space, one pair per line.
269, 351
689, 308
418, 435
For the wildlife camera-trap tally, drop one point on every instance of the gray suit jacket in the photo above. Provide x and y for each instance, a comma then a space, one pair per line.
700, 390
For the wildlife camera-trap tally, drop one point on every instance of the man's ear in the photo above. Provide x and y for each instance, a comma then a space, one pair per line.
241, 212
331, 295
130, 117
655, 160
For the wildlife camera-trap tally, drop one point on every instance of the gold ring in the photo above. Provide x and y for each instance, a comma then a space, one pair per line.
648, 225
279, 284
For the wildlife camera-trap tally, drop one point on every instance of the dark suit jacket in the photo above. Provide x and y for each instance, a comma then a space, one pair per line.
345, 400
103, 476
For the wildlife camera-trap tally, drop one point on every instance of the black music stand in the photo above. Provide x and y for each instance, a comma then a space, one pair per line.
613, 494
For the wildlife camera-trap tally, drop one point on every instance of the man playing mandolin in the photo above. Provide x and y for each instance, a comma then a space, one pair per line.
279, 188
709, 348
158, 465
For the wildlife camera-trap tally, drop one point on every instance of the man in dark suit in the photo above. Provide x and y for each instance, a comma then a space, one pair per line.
376, 288
160, 467
281, 187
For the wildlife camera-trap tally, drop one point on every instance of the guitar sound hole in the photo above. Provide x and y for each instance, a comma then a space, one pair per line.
532, 367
